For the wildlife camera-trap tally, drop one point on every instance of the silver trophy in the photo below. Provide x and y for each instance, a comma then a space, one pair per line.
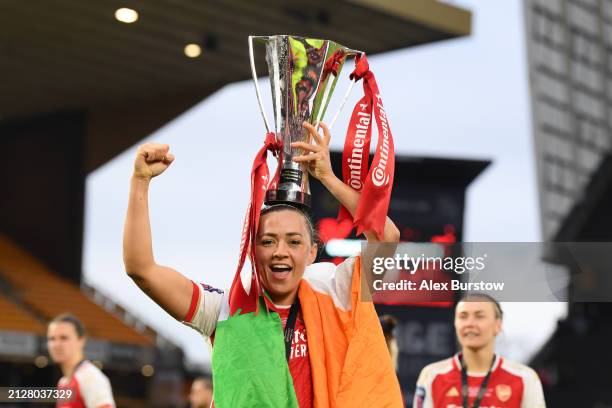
303, 75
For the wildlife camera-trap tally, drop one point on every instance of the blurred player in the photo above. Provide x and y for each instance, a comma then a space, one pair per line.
388, 323
201, 393
476, 377
90, 387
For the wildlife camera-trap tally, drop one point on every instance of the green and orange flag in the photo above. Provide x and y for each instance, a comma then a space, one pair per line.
350, 363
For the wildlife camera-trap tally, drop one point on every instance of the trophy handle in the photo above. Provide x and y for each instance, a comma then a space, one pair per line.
344, 99
256, 82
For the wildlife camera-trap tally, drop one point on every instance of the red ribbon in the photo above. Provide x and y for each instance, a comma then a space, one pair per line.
260, 174
376, 182
333, 64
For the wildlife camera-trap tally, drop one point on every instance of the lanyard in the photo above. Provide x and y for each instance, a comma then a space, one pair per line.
290, 326
465, 388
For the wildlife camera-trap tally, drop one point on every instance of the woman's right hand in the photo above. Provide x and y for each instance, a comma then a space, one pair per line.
152, 160
167, 287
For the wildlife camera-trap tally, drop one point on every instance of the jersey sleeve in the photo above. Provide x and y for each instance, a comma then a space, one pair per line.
533, 396
95, 389
207, 304
422, 394
333, 280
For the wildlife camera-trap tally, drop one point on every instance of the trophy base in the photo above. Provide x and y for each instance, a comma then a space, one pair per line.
291, 197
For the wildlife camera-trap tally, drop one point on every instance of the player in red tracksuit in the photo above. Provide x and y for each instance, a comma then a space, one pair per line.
476, 377
89, 387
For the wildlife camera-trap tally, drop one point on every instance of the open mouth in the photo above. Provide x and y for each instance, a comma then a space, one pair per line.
281, 271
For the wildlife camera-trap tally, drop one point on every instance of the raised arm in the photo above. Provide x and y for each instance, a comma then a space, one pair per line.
167, 287
320, 168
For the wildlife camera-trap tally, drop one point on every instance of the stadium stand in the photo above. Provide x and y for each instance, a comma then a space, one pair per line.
46, 295
15, 318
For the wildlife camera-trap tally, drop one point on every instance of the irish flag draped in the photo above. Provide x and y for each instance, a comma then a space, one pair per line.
349, 360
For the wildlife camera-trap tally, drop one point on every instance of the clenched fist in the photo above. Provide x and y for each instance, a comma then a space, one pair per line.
152, 160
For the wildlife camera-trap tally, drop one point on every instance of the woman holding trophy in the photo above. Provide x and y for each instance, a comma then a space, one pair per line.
294, 333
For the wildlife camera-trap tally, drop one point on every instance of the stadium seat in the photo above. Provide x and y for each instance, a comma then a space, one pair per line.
48, 294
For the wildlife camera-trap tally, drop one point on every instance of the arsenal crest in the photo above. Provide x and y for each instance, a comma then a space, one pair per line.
452, 392
503, 392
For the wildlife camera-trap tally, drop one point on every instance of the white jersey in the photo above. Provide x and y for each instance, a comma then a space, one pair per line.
210, 305
511, 385
90, 388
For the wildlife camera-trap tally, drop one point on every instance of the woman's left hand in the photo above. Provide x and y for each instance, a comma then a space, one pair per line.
316, 155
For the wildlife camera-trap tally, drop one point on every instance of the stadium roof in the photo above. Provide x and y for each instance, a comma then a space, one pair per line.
60, 55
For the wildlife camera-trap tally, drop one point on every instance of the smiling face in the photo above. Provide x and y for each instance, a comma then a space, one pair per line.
284, 249
476, 324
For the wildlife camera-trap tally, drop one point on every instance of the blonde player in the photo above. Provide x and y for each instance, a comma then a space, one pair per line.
476, 376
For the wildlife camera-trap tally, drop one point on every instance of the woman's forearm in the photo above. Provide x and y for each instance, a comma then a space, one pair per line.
137, 245
319, 162
349, 198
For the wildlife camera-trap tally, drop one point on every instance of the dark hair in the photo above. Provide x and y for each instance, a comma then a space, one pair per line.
388, 323
72, 319
314, 236
499, 313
